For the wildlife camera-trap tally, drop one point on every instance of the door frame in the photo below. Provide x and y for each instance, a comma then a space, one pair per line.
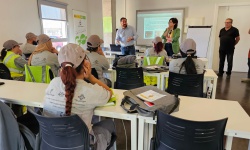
216, 13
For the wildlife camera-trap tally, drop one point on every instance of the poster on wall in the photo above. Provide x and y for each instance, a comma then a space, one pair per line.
80, 27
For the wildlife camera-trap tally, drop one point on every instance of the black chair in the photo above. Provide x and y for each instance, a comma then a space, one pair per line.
4, 72
185, 84
129, 78
68, 132
179, 134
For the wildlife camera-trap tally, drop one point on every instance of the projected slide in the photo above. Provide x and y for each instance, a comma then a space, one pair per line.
154, 27
154, 22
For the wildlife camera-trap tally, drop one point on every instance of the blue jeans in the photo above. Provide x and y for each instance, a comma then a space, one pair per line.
169, 50
128, 50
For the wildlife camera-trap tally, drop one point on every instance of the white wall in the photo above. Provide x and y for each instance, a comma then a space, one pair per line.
21, 16
95, 22
193, 8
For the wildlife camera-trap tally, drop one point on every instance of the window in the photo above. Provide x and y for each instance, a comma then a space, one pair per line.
53, 17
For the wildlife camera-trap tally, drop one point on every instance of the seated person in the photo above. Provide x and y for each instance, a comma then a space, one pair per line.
70, 94
30, 46
45, 54
97, 58
157, 49
11, 57
188, 64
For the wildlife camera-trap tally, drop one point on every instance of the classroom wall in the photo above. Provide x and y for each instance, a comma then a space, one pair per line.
21, 16
193, 8
95, 25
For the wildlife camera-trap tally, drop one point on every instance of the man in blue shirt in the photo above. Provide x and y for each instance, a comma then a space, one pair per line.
125, 36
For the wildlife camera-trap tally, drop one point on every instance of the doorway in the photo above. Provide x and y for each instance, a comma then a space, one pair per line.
240, 15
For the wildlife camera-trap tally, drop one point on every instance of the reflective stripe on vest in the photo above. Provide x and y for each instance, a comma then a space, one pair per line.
157, 60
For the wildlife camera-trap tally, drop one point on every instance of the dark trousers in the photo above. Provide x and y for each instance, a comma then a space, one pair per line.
128, 50
248, 75
223, 55
169, 49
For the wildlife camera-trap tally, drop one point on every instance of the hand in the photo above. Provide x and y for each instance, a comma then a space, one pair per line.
117, 42
87, 69
20, 52
169, 40
129, 39
99, 51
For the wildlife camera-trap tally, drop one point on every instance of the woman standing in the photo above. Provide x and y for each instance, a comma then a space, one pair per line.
171, 37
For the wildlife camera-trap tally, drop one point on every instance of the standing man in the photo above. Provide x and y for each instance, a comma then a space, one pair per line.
229, 37
248, 75
126, 36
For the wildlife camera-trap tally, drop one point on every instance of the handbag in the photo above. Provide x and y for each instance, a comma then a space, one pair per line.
137, 104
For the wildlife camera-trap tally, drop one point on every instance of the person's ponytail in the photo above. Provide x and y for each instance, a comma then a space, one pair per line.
68, 76
3, 53
189, 65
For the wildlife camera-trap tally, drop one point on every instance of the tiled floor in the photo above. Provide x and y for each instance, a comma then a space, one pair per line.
230, 89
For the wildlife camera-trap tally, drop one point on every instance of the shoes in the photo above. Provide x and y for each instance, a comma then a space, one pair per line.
228, 76
246, 80
219, 74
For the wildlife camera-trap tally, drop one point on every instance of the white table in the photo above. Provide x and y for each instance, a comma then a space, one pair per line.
23, 93
201, 109
209, 76
32, 94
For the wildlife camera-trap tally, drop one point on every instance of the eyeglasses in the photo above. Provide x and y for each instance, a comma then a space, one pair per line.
228, 22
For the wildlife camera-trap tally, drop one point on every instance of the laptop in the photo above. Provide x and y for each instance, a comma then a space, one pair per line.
115, 48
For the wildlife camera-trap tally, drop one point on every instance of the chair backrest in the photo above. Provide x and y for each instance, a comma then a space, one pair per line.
4, 72
129, 78
153, 60
67, 132
185, 84
13, 135
39, 74
175, 133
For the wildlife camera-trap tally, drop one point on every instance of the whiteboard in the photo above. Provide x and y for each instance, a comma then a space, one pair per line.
201, 35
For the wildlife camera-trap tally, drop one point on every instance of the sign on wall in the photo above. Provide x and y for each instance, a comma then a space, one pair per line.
80, 27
